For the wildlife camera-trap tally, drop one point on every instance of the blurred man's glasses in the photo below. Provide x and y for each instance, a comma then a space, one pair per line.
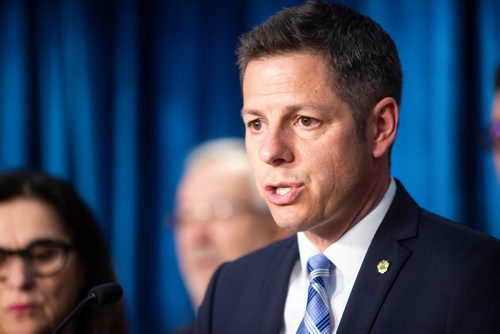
43, 257
202, 212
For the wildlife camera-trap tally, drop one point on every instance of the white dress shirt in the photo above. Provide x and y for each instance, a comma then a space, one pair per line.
347, 254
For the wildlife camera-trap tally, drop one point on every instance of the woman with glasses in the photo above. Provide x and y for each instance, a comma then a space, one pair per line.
51, 254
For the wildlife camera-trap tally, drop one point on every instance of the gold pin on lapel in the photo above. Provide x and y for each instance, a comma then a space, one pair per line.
383, 266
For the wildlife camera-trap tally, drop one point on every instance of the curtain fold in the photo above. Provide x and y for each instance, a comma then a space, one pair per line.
112, 95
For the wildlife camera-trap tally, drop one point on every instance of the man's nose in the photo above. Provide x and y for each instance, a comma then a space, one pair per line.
276, 149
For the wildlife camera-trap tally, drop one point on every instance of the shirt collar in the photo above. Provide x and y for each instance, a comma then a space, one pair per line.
348, 252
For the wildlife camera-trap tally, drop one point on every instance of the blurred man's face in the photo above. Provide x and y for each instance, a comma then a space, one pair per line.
217, 221
495, 132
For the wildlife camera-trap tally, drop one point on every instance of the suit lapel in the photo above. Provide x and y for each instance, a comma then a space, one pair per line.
275, 290
371, 286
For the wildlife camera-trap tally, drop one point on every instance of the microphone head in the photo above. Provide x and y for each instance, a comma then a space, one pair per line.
105, 294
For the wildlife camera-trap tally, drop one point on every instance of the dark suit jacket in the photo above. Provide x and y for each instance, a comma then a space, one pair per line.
442, 278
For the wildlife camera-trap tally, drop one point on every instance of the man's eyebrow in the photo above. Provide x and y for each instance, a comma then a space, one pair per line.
287, 109
249, 112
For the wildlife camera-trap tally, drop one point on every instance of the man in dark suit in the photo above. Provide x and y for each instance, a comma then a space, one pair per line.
321, 91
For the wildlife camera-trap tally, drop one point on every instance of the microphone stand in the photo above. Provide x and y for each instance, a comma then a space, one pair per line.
102, 294
73, 314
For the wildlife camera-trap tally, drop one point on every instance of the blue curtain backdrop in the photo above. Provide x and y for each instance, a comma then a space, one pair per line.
111, 95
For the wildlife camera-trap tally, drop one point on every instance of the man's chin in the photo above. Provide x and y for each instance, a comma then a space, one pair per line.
291, 220
294, 225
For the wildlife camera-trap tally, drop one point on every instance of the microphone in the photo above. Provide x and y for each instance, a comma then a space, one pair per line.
106, 293
99, 295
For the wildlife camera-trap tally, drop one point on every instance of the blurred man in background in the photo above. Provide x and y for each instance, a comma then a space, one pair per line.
495, 123
219, 213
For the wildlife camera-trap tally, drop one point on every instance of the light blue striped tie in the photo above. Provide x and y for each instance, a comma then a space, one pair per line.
317, 317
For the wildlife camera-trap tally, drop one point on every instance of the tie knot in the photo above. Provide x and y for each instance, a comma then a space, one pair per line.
319, 265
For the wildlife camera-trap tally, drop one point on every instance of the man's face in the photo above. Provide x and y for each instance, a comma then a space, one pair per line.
310, 167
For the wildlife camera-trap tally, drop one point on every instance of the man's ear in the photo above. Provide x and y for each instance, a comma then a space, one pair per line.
383, 125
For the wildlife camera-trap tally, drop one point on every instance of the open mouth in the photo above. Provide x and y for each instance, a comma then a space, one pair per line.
283, 190
284, 193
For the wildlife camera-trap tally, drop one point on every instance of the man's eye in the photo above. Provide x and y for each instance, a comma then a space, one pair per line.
255, 124
307, 121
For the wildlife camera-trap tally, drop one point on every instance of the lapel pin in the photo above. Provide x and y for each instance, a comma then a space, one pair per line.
383, 266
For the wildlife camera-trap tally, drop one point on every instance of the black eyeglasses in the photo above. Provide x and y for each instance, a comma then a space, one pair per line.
44, 257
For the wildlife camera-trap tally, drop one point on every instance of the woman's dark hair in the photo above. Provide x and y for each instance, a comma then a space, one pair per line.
81, 226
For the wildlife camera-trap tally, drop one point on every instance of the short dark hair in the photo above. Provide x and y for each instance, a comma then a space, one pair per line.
362, 57
81, 226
